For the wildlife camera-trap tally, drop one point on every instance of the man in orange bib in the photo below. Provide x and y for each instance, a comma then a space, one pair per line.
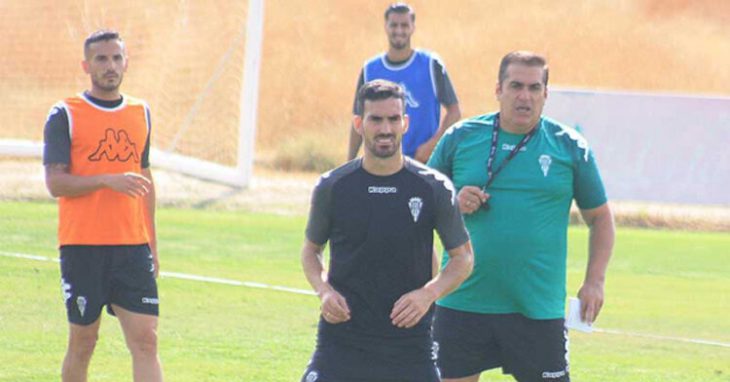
96, 156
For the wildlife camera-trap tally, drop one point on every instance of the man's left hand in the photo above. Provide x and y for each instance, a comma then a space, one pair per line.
411, 307
591, 301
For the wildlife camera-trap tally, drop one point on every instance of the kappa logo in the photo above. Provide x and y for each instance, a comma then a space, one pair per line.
553, 374
415, 204
567, 350
410, 100
443, 179
580, 141
508, 147
115, 147
545, 162
434, 351
152, 263
312, 376
382, 190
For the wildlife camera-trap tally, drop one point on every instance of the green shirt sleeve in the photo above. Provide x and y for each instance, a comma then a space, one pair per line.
588, 188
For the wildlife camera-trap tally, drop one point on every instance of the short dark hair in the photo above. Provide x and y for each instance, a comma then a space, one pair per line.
376, 90
100, 35
400, 8
525, 58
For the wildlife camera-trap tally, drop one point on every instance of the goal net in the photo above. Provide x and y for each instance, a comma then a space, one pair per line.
195, 62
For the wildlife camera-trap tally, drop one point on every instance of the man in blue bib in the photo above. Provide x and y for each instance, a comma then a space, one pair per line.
517, 173
423, 77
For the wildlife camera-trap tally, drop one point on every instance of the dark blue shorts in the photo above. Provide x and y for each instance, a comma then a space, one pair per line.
389, 361
530, 350
96, 275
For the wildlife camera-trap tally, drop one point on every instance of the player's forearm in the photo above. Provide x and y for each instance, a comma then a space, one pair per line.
602, 235
313, 266
452, 115
354, 145
458, 268
426, 149
65, 184
435, 265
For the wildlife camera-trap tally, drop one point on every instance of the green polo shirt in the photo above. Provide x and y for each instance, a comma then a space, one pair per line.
520, 243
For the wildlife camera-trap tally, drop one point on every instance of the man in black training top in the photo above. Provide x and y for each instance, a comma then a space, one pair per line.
379, 212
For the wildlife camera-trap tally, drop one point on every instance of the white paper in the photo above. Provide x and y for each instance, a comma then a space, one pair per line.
573, 320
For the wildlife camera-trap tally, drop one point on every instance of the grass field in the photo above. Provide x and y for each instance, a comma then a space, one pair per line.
662, 283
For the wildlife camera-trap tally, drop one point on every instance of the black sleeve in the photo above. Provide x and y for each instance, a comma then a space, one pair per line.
319, 222
56, 137
449, 222
360, 83
146, 151
445, 91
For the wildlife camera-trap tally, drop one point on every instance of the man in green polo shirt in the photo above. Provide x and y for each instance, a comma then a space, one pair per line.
517, 173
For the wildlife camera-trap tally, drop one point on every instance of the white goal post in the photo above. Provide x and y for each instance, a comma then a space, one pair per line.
239, 175
164, 153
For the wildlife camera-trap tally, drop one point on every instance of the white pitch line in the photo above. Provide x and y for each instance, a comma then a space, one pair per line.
664, 338
251, 284
185, 276
29, 257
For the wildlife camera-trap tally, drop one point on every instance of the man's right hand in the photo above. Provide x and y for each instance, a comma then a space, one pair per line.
471, 198
334, 306
130, 183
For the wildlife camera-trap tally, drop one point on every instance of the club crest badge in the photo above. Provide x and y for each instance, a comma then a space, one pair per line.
545, 162
415, 204
81, 304
66, 290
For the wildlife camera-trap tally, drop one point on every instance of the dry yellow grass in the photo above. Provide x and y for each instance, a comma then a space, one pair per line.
637, 45
313, 50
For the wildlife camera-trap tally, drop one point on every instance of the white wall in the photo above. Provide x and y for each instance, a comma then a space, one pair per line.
653, 147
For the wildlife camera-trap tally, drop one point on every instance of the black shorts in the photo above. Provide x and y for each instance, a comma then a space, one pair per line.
96, 275
530, 350
391, 361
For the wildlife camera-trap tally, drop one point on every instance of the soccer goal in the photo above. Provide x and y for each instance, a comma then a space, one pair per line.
195, 62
